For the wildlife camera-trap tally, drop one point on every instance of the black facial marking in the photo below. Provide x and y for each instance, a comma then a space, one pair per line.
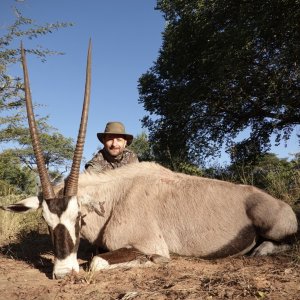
243, 240
62, 242
59, 205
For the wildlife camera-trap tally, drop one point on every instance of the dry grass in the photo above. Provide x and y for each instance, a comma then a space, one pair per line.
12, 225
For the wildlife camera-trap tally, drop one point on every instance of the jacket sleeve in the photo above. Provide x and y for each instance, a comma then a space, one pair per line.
97, 164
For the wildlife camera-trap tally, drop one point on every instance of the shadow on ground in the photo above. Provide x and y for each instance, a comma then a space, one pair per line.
36, 250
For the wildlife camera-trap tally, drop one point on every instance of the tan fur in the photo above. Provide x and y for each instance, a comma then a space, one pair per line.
157, 211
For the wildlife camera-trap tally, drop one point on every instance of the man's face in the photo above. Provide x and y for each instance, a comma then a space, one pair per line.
114, 144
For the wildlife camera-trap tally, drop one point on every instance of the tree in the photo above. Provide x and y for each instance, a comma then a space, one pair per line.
141, 147
224, 66
16, 164
11, 88
15, 178
279, 177
57, 149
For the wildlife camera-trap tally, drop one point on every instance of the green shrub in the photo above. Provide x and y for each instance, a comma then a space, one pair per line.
278, 177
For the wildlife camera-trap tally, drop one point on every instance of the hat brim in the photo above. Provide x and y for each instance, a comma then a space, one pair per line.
127, 137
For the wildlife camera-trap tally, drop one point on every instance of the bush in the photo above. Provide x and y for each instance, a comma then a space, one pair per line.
278, 177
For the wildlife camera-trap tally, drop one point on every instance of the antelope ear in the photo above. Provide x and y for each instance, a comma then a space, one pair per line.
26, 205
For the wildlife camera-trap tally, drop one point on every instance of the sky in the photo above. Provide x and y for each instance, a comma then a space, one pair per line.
126, 38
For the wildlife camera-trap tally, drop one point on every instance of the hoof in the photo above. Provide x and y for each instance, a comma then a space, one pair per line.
158, 259
98, 264
267, 248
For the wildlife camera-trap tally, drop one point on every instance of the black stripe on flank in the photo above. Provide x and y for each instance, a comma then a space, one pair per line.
123, 255
241, 242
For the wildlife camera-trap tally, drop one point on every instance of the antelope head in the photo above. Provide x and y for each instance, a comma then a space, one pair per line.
62, 213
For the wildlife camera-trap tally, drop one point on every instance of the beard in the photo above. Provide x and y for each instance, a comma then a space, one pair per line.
115, 151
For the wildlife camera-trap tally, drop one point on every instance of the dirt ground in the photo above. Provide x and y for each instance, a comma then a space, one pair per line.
25, 273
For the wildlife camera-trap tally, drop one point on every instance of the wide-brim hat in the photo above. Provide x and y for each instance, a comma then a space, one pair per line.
116, 128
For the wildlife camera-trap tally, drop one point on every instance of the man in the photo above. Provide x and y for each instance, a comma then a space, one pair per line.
114, 153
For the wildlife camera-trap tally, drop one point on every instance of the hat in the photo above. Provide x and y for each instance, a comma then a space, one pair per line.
115, 128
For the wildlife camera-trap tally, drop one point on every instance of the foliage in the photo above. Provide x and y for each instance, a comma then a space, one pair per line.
141, 147
11, 88
17, 165
14, 177
279, 177
57, 149
224, 66
189, 169
6, 188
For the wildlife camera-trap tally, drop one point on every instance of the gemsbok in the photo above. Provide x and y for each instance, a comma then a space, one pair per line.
141, 213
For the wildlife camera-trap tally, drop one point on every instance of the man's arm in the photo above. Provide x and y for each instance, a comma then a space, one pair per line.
97, 164
129, 157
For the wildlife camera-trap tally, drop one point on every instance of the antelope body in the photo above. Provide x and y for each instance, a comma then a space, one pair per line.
143, 209
156, 211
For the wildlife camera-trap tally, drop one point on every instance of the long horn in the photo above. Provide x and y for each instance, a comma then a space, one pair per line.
48, 192
72, 181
